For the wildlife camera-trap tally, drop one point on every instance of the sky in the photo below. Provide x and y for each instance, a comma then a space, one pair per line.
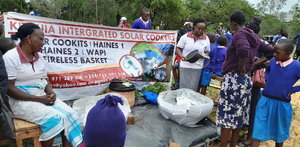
286, 8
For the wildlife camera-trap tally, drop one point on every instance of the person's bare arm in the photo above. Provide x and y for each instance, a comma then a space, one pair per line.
49, 91
241, 67
260, 61
179, 53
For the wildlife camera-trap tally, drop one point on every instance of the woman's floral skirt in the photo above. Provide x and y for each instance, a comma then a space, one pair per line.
234, 102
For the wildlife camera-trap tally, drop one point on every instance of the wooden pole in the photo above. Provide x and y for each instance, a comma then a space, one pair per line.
96, 11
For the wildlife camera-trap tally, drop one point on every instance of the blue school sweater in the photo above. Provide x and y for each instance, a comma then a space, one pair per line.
217, 44
212, 56
280, 80
229, 37
138, 24
220, 59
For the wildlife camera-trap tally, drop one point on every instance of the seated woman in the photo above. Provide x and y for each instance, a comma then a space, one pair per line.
30, 94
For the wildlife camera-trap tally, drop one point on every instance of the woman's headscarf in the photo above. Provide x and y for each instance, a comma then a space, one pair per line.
186, 23
122, 19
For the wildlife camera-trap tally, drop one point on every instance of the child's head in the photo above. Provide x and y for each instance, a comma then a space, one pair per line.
223, 40
219, 31
282, 50
212, 37
281, 31
254, 24
285, 34
237, 20
6, 44
145, 14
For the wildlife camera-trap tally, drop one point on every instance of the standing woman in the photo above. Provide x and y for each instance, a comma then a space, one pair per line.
235, 95
123, 23
183, 30
30, 94
195, 40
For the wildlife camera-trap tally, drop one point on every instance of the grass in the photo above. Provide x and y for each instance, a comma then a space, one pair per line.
214, 95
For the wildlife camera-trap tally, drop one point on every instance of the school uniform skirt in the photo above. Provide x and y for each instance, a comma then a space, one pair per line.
255, 96
273, 119
234, 102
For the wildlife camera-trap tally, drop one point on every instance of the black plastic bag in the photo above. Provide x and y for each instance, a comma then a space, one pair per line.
6, 122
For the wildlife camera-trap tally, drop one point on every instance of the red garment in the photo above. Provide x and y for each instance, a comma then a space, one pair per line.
178, 59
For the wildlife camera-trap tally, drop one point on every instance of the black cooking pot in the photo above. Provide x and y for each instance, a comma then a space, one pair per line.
193, 56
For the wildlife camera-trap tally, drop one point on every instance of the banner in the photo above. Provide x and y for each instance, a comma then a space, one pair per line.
84, 58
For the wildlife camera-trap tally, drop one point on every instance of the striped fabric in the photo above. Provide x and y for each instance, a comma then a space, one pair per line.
52, 119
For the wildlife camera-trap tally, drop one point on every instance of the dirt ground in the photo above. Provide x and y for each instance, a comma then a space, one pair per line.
293, 141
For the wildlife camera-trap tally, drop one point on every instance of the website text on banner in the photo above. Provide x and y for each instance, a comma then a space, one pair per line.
83, 58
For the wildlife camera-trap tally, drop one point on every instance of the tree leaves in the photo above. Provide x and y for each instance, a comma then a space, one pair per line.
168, 14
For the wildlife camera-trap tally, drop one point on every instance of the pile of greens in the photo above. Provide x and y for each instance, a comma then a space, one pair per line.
155, 88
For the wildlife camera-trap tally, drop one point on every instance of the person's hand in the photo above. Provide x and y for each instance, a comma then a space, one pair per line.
201, 56
241, 70
213, 76
182, 58
255, 59
52, 98
45, 99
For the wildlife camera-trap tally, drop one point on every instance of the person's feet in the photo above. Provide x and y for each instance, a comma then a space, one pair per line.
245, 143
175, 86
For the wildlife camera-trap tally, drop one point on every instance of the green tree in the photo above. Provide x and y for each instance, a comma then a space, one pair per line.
49, 8
271, 24
295, 11
271, 7
10, 5
78, 10
169, 13
219, 11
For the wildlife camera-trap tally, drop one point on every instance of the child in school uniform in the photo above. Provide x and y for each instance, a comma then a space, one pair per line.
274, 111
143, 22
229, 36
221, 54
218, 35
207, 71
175, 71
